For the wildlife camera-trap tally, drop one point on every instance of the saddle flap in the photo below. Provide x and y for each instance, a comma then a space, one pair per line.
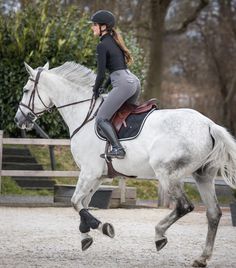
127, 109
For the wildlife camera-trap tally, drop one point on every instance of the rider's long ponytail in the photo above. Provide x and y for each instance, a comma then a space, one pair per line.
120, 42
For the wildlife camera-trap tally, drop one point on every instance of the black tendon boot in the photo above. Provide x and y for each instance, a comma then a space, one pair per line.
110, 133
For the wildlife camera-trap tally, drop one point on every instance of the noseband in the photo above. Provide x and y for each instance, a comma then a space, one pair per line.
32, 116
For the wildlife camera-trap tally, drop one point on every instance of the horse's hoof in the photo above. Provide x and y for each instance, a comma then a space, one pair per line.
108, 229
161, 243
86, 243
199, 263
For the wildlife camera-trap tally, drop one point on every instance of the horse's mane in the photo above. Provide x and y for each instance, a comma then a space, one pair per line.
75, 73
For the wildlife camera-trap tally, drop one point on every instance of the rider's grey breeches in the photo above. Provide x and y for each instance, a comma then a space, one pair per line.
125, 87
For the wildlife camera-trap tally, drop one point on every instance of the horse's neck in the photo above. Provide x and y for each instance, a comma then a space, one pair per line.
63, 93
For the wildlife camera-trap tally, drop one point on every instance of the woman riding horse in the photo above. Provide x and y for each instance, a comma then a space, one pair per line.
113, 55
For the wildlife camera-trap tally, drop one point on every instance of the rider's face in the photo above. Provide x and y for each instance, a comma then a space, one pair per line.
96, 29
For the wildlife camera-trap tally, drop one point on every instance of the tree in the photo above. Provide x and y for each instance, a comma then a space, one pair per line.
221, 55
159, 31
158, 11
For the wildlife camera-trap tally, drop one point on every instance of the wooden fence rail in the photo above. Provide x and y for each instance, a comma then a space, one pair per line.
43, 173
33, 173
25, 141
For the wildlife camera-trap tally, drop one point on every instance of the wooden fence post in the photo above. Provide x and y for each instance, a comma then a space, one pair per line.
122, 189
1, 149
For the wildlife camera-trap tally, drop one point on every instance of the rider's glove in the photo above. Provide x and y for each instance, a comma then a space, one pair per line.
97, 92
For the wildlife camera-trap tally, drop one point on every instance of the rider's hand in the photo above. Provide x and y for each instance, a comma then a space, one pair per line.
97, 92
102, 90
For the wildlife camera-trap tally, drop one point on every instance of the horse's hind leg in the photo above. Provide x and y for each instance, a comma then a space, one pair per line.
206, 187
183, 206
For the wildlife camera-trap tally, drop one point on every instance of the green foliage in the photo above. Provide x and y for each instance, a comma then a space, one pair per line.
44, 31
192, 193
9, 187
234, 194
145, 189
63, 156
139, 67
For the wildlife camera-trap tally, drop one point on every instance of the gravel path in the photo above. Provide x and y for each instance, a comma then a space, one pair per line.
49, 237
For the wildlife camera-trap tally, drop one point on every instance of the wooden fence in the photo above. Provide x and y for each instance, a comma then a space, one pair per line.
43, 173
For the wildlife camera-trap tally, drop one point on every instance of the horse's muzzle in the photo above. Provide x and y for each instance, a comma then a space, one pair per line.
24, 122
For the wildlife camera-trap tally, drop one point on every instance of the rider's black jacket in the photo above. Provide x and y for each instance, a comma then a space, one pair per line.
110, 57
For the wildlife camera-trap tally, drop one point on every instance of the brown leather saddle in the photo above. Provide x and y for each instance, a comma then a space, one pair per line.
127, 109
119, 120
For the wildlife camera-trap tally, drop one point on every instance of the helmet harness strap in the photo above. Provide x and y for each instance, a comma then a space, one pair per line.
105, 30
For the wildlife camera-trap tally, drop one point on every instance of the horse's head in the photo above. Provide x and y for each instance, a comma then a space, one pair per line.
34, 101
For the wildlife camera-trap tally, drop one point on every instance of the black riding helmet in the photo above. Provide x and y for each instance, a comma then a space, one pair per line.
104, 17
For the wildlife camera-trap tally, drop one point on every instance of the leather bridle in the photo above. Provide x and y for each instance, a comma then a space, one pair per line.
33, 116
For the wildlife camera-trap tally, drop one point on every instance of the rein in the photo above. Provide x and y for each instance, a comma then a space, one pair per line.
33, 116
87, 119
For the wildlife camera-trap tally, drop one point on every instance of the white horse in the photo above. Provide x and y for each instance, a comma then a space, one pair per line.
173, 144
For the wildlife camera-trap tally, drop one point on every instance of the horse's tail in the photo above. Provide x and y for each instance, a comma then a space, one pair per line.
223, 155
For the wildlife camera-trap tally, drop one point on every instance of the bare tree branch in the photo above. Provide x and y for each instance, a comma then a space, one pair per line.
232, 91
190, 19
138, 11
230, 17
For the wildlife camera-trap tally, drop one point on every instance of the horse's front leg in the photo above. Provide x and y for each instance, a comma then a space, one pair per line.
81, 198
80, 201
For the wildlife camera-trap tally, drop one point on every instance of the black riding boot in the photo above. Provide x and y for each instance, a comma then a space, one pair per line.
110, 133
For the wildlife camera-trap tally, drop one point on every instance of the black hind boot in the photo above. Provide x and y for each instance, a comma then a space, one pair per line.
108, 130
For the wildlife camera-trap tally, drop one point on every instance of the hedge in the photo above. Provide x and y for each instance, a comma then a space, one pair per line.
45, 31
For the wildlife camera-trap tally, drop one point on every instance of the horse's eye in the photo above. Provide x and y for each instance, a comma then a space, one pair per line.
25, 90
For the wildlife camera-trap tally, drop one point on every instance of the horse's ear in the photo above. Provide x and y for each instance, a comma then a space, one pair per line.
46, 66
29, 69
